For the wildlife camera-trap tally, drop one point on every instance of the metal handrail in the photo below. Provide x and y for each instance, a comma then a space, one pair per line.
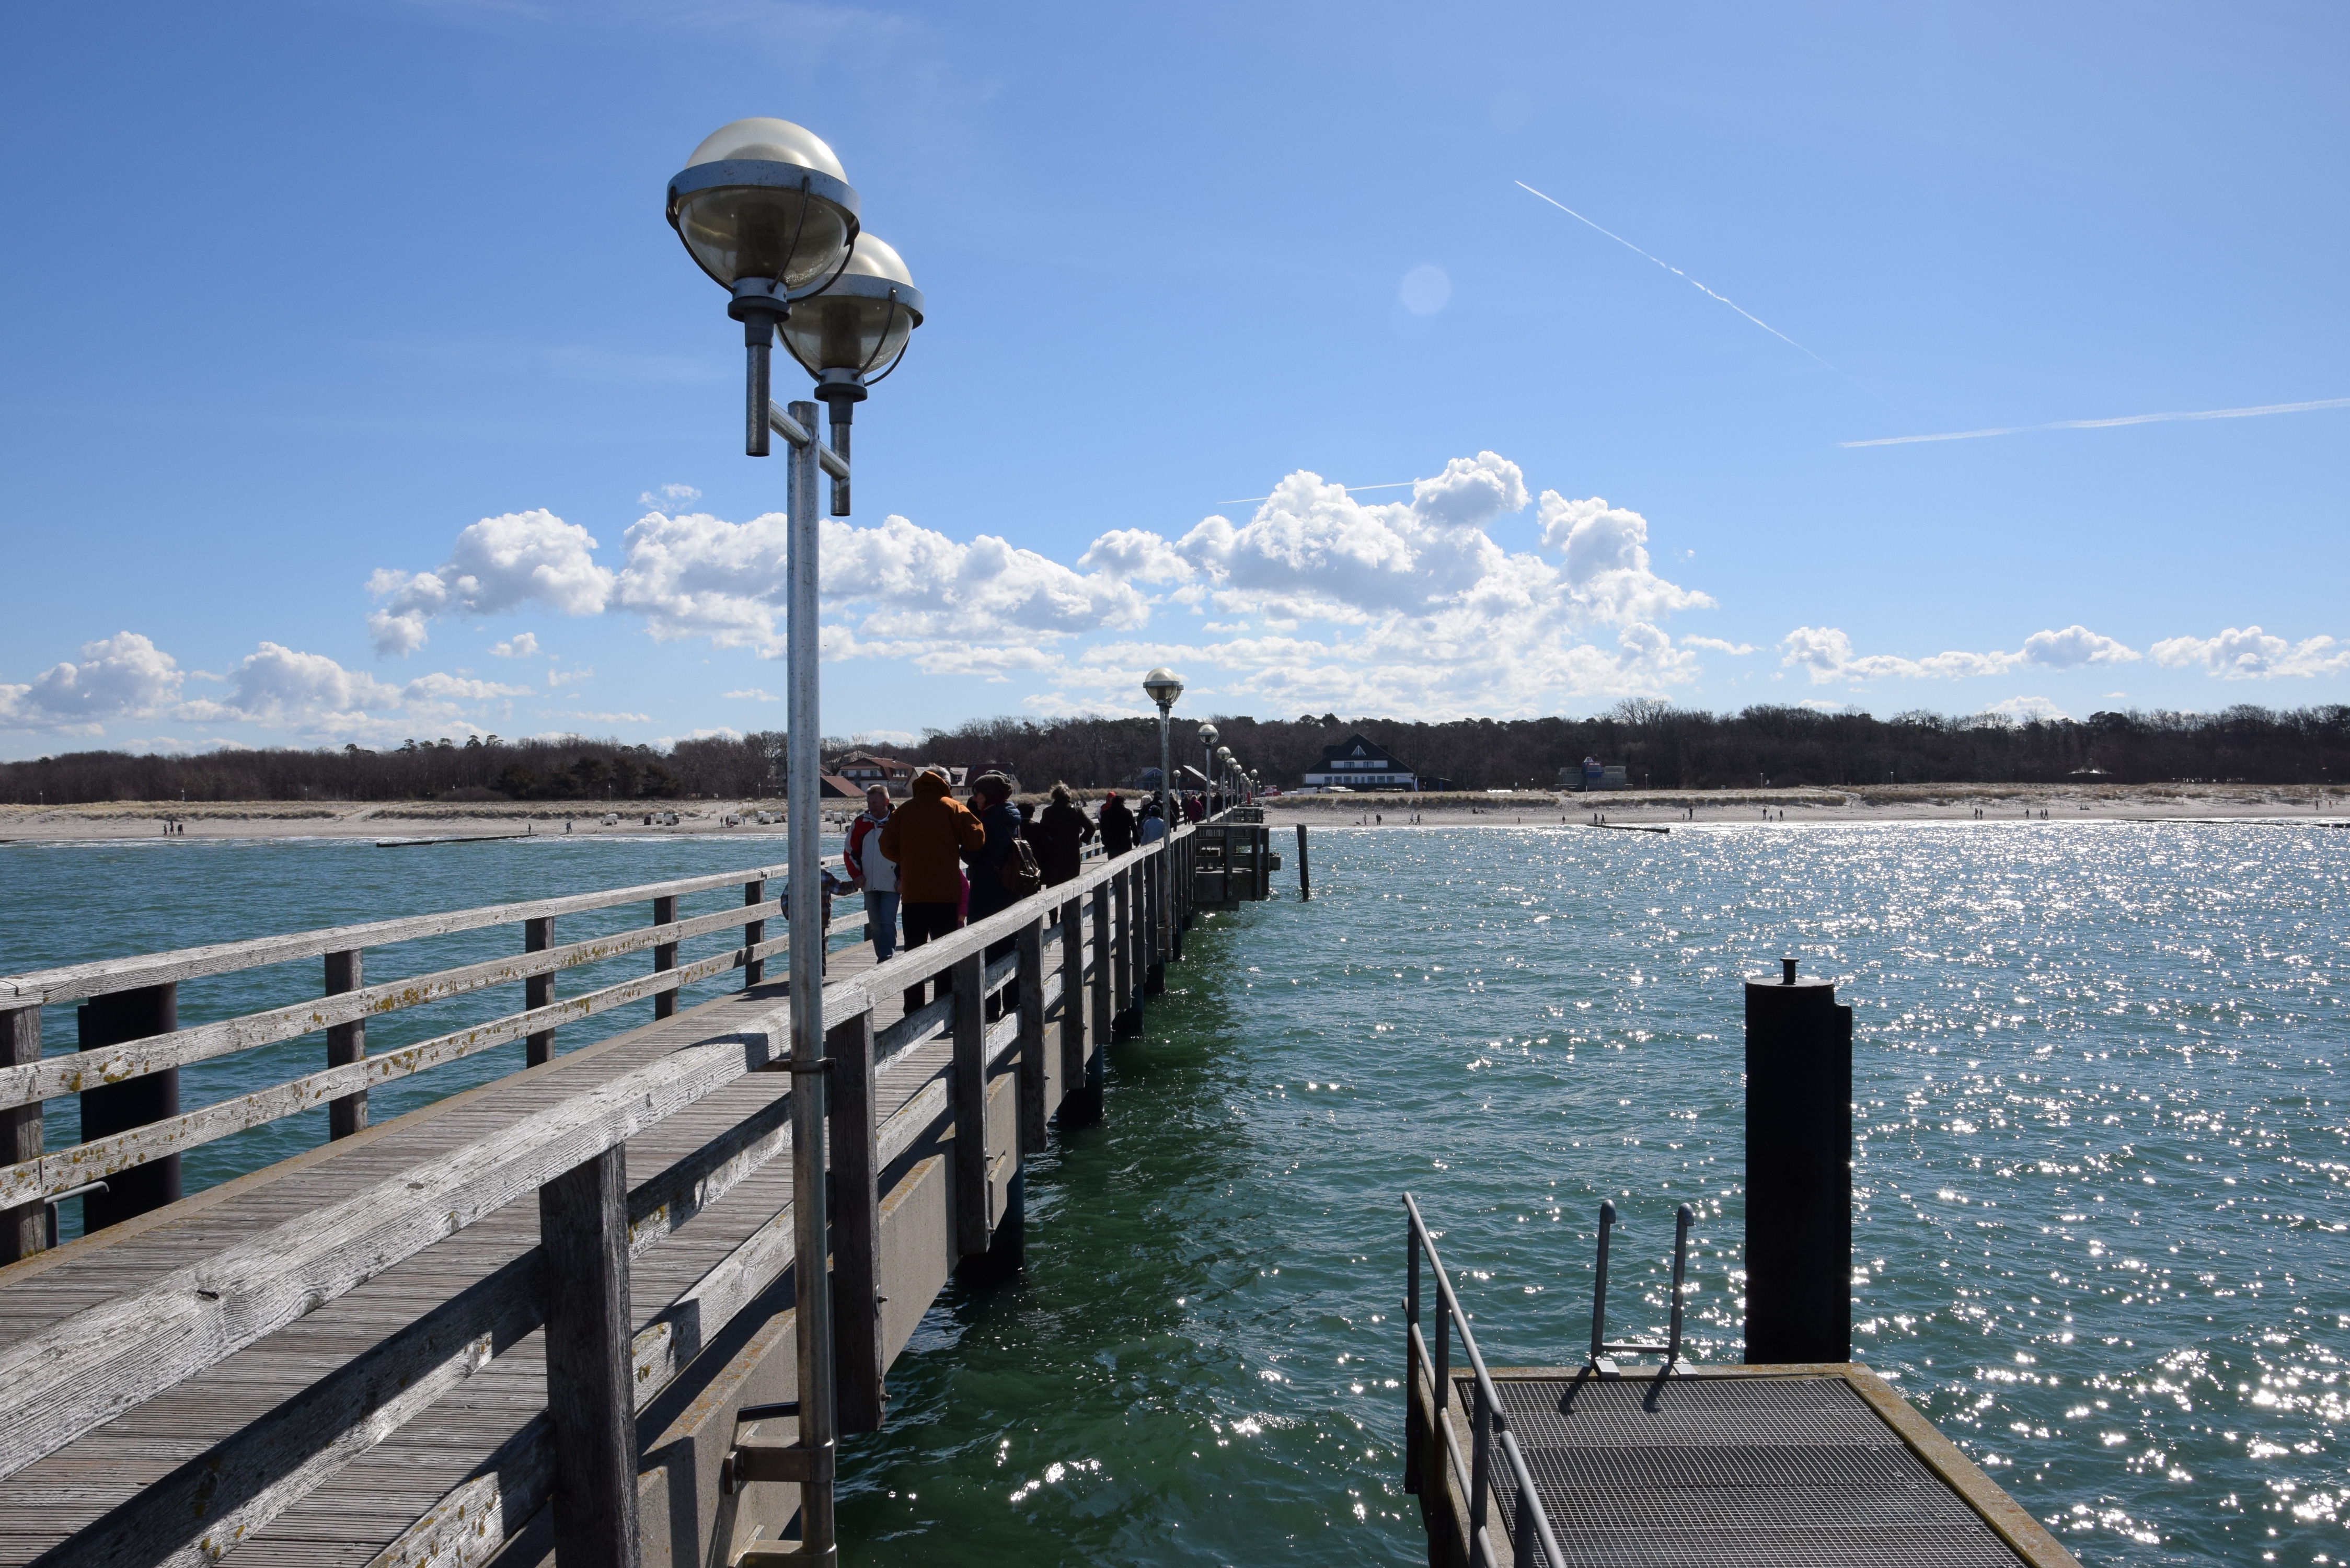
1532, 1524
1601, 1348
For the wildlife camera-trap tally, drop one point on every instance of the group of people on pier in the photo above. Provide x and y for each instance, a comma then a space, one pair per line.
929, 864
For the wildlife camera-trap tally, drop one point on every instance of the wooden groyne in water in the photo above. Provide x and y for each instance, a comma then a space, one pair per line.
348, 1356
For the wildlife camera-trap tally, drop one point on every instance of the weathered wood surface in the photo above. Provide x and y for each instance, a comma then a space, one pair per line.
386, 1339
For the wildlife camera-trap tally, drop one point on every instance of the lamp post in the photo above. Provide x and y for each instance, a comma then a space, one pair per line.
1162, 685
1208, 762
766, 209
1223, 772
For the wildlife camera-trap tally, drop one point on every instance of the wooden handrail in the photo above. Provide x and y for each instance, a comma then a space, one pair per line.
74, 1375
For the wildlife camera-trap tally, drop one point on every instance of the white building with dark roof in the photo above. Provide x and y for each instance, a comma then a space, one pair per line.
1358, 764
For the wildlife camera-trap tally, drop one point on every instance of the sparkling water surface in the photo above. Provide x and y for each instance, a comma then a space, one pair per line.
2100, 1195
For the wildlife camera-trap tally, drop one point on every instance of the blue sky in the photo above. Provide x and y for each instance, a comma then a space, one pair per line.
320, 313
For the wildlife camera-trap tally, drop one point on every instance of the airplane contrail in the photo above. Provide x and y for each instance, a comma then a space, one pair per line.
2108, 424
1677, 271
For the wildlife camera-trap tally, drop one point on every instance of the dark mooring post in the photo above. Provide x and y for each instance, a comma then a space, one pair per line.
1304, 875
1798, 1171
112, 1019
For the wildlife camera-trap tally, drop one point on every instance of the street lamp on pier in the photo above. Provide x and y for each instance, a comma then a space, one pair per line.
765, 208
1162, 685
1208, 760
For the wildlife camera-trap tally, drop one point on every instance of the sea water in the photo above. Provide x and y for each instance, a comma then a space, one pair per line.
2100, 1184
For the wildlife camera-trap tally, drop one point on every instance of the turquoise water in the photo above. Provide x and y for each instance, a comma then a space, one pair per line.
2101, 1181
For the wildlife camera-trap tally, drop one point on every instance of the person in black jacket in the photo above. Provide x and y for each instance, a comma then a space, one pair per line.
1116, 826
1061, 834
990, 799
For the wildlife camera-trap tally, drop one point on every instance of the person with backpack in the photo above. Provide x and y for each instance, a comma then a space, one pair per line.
1152, 827
925, 837
1004, 867
1003, 871
1116, 826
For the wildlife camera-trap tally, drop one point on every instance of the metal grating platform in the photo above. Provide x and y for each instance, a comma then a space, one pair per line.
1693, 1473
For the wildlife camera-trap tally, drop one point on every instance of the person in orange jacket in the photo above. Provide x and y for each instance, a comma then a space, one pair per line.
926, 838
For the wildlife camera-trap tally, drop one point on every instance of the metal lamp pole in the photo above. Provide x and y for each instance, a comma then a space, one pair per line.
1208, 762
765, 208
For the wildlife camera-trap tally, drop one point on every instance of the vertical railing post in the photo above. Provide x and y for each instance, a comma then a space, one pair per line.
112, 1019
664, 956
969, 1105
1522, 1525
24, 1229
1441, 1348
1599, 1284
583, 1225
1154, 973
1105, 1017
824, 936
754, 969
855, 1225
1032, 1109
1414, 1450
538, 991
346, 1044
1121, 955
1072, 1108
1481, 1462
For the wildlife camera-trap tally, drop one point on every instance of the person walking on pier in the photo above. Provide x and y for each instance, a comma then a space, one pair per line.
1116, 826
1152, 827
925, 838
875, 873
1062, 832
1003, 871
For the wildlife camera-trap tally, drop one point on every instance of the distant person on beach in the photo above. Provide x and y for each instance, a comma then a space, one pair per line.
875, 872
1116, 826
1064, 832
1152, 827
926, 838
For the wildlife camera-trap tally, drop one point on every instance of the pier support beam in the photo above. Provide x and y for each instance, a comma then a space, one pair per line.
1305, 876
1798, 1171
110, 1020
858, 1351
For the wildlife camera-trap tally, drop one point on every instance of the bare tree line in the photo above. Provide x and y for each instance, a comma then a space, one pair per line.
1660, 746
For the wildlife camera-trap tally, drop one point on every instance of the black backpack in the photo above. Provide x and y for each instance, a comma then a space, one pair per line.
1020, 874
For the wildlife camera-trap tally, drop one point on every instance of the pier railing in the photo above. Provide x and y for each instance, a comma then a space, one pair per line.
1472, 1474
1088, 949
32, 1177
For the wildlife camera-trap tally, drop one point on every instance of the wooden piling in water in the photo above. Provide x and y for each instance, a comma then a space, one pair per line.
1304, 875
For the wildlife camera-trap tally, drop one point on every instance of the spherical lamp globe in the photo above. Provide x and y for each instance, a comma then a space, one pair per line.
764, 199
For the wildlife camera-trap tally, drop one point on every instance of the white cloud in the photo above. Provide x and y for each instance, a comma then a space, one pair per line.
121, 676
1824, 653
2253, 654
669, 497
901, 590
1715, 644
555, 678
278, 687
499, 563
752, 694
602, 718
2075, 645
522, 644
1603, 550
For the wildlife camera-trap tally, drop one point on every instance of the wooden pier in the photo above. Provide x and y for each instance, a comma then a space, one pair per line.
348, 1356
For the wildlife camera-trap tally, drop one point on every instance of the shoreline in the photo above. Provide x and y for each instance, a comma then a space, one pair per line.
411, 820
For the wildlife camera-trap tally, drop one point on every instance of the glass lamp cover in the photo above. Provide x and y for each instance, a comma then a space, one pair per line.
842, 331
1163, 685
764, 231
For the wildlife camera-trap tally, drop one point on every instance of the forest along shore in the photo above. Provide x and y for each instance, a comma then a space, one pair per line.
261, 819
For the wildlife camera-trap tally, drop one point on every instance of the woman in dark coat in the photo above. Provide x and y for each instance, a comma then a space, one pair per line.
1061, 834
1116, 826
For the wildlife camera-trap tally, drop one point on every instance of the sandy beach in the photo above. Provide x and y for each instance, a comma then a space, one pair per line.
1883, 802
